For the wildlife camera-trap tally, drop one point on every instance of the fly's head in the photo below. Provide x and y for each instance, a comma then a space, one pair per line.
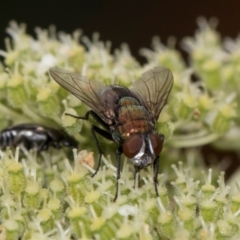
142, 149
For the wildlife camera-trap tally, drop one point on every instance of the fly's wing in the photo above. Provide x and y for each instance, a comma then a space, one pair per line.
153, 88
84, 89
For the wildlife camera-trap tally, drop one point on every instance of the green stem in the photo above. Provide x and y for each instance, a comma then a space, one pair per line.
193, 141
10, 113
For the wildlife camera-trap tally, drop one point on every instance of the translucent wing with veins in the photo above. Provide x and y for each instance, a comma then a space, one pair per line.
153, 88
86, 90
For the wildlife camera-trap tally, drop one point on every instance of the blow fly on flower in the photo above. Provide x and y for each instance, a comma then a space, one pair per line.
128, 115
36, 136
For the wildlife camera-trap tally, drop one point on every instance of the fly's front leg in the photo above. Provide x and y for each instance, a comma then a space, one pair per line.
94, 130
86, 117
106, 135
155, 173
136, 176
119, 152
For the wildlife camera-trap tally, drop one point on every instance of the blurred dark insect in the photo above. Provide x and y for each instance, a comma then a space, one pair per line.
128, 115
35, 136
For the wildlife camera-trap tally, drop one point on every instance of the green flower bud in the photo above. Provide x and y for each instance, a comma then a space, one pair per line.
224, 230
16, 93
21, 223
221, 122
11, 230
187, 216
166, 224
235, 203
16, 177
55, 206
208, 210
207, 191
57, 188
76, 216
31, 198
72, 125
125, 232
76, 186
211, 74
48, 103
45, 217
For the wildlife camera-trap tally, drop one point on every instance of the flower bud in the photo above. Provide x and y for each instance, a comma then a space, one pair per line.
16, 177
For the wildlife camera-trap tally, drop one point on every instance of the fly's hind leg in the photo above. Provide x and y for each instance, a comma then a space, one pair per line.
156, 168
119, 152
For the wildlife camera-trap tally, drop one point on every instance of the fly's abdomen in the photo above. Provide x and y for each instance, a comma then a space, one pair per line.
133, 117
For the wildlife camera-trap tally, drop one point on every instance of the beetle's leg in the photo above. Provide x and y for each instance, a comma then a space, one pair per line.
22, 141
42, 146
93, 114
119, 152
106, 135
136, 176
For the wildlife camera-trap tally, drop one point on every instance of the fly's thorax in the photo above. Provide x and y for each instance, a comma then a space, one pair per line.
110, 97
142, 149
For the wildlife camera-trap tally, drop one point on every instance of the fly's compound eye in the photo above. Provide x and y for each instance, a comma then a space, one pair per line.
157, 143
132, 146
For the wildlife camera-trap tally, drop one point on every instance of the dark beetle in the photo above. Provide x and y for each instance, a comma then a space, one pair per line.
128, 115
35, 136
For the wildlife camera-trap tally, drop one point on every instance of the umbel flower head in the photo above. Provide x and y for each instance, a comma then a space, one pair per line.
53, 196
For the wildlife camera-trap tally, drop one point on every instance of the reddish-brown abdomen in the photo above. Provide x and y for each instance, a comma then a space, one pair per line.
133, 117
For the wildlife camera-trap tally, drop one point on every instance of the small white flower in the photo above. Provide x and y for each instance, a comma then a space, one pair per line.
127, 210
47, 61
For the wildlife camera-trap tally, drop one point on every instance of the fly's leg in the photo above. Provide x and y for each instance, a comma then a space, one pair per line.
136, 176
95, 130
106, 135
155, 172
93, 114
119, 152
156, 168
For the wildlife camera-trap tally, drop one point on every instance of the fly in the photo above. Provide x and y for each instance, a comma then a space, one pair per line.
128, 116
35, 136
